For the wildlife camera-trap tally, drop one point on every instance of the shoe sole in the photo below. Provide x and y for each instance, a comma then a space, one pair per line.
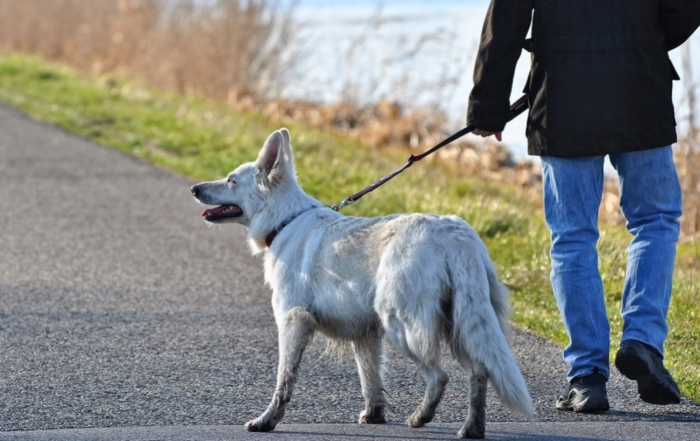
649, 386
587, 406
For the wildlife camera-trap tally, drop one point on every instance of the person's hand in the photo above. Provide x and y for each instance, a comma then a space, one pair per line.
486, 134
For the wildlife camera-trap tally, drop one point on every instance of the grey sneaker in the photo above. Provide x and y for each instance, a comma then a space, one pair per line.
639, 361
586, 394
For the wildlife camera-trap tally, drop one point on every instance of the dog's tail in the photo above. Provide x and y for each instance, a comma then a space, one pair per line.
479, 333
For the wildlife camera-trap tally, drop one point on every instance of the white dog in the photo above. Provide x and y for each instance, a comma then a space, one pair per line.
419, 279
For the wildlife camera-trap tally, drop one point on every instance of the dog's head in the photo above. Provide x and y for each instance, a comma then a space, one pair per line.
246, 191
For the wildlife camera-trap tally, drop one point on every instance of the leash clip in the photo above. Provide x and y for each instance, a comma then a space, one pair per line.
345, 203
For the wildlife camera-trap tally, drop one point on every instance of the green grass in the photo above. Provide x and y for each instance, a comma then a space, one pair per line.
204, 140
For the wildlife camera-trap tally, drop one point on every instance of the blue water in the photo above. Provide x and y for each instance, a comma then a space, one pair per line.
373, 3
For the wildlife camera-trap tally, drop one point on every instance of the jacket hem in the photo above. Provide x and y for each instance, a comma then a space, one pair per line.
584, 151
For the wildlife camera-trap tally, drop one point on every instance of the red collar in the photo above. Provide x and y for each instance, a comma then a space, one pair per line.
270, 237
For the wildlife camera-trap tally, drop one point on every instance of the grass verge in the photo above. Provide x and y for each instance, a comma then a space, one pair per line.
204, 140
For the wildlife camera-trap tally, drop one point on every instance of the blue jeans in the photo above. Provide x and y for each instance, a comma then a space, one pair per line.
650, 198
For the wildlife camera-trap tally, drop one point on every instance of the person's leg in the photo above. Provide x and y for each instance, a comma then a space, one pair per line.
573, 189
650, 198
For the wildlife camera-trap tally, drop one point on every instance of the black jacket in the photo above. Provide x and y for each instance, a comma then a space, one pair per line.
600, 81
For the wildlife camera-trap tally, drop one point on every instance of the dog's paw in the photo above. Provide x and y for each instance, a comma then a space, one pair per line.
259, 425
375, 416
472, 432
417, 419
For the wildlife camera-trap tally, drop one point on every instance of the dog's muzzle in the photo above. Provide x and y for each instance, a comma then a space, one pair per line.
222, 213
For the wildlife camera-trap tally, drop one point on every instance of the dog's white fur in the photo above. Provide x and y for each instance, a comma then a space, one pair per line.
419, 279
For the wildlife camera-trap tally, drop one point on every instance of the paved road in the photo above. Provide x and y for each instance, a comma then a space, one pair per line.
541, 431
119, 307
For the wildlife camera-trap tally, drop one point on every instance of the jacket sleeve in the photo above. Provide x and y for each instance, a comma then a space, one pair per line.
679, 19
502, 38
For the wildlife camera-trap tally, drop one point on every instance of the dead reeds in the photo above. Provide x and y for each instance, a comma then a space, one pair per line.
688, 153
225, 49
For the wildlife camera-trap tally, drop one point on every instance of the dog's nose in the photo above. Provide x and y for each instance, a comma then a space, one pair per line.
194, 190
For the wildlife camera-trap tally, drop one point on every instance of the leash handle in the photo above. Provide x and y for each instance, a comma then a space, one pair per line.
516, 109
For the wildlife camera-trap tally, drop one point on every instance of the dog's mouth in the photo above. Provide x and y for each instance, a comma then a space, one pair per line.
221, 213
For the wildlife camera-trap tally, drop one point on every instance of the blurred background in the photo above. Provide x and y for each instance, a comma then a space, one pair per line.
390, 73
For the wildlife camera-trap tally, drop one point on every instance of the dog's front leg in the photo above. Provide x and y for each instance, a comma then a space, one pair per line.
369, 357
296, 328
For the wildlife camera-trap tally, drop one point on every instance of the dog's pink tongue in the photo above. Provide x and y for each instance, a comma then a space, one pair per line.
213, 211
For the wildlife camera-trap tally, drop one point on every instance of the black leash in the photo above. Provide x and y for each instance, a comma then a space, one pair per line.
516, 109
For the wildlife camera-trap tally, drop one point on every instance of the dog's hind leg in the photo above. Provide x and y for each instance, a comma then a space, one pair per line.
435, 381
423, 347
295, 331
475, 426
370, 359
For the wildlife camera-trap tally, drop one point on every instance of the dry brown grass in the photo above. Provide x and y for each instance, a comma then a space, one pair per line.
688, 163
382, 124
688, 154
225, 49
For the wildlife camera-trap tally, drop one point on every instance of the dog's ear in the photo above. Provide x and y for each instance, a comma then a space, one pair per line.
273, 157
287, 146
287, 138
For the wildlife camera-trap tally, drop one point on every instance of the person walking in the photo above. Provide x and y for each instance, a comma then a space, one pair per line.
600, 84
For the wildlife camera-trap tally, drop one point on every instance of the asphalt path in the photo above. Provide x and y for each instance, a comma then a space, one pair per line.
123, 315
